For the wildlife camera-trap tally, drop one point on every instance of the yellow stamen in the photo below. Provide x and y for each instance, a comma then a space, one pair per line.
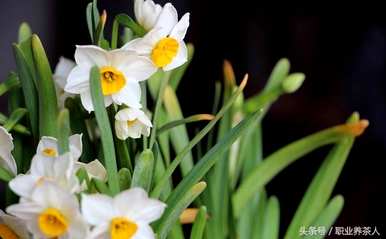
112, 80
130, 123
7, 233
122, 228
52, 223
164, 51
50, 152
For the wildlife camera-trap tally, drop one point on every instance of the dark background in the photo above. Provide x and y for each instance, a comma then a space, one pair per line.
342, 53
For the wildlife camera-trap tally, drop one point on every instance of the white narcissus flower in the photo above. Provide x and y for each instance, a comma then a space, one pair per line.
59, 170
120, 72
48, 146
127, 215
6, 146
131, 122
12, 227
62, 70
147, 13
164, 45
51, 212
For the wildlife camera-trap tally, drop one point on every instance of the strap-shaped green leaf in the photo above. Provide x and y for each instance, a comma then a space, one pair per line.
328, 216
48, 104
14, 118
92, 16
5, 175
272, 219
30, 94
64, 131
190, 119
277, 161
11, 82
25, 32
105, 130
181, 155
321, 187
173, 212
199, 224
143, 171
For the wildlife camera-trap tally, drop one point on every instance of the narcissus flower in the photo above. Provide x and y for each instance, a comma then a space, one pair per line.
131, 122
6, 146
12, 227
58, 170
164, 45
48, 146
51, 212
120, 72
127, 215
147, 13
62, 70
94, 169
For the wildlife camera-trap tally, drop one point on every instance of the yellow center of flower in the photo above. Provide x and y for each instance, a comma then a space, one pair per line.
121, 228
52, 223
112, 80
131, 122
50, 152
7, 233
164, 51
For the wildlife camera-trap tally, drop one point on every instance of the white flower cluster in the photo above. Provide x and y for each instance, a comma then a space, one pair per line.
49, 207
53, 203
121, 70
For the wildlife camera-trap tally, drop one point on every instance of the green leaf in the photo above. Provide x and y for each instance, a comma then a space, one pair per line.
124, 178
328, 216
105, 130
178, 135
25, 32
210, 158
173, 212
179, 72
277, 161
5, 175
272, 219
128, 22
64, 131
92, 15
190, 119
48, 104
181, 155
30, 94
83, 177
11, 82
322, 185
143, 171
15, 117
199, 224
101, 187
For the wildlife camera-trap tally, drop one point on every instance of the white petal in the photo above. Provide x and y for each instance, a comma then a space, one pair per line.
127, 114
42, 166
97, 209
86, 100
180, 29
138, 10
134, 67
144, 232
62, 70
25, 211
100, 232
134, 131
167, 19
76, 145
89, 56
121, 130
130, 95
78, 228
6, 146
141, 208
180, 59
78, 80
142, 117
150, 14
23, 185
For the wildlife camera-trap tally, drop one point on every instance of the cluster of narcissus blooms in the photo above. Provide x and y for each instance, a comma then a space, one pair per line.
50, 191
